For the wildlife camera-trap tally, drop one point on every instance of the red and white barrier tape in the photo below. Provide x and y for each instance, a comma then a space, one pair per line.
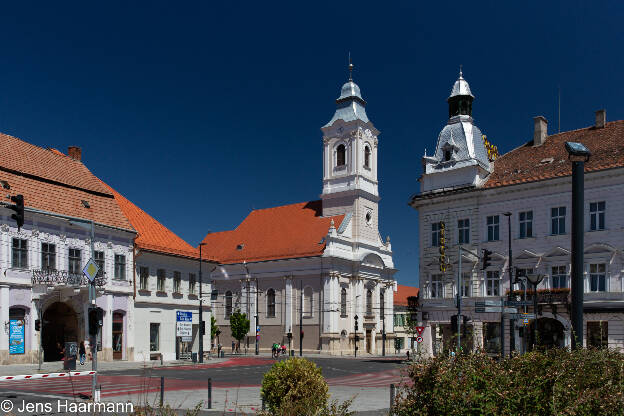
49, 375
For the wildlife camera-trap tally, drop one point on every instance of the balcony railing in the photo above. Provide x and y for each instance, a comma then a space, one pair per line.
53, 277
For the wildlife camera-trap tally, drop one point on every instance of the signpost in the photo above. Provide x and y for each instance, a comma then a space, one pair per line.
184, 324
517, 303
526, 316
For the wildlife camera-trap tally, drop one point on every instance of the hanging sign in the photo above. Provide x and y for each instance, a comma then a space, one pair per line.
16, 336
442, 247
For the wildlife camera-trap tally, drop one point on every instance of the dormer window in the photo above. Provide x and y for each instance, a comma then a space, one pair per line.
340, 155
367, 154
447, 155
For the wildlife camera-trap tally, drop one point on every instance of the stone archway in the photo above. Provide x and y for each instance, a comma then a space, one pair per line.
60, 325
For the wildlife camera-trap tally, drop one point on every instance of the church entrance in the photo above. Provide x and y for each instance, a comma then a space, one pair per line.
60, 325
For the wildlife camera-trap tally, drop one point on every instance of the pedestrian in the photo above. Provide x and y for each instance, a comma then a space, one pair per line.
82, 351
233, 346
407, 355
60, 351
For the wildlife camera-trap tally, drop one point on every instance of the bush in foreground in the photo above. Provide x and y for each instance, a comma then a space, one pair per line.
553, 382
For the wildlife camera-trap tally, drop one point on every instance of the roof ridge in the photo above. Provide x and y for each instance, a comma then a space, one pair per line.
283, 206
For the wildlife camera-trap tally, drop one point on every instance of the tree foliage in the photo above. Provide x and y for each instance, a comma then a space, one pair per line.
239, 325
214, 329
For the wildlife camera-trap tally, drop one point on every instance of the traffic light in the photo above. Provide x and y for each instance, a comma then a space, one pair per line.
487, 258
202, 328
19, 210
96, 320
356, 322
37, 324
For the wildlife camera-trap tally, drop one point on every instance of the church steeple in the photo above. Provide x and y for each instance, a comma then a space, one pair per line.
460, 100
350, 105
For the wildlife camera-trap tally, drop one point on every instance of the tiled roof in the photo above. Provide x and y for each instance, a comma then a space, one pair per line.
550, 160
287, 231
53, 182
403, 292
153, 236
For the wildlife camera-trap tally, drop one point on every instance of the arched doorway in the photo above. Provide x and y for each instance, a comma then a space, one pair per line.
550, 333
60, 325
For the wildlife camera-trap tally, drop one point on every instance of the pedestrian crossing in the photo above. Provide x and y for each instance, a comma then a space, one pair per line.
379, 379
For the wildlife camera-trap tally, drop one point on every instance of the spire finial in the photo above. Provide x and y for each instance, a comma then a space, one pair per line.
461, 74
350, 68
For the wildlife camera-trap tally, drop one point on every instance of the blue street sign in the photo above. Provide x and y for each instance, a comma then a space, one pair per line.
183, 316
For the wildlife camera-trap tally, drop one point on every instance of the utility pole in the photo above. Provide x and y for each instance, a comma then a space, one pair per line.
92, 301
512, 322
459, 298
383, 329
257, 318
202, 326
301, 319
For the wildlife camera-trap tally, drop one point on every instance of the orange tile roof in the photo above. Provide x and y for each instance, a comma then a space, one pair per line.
529, 164
274, 233
53, 182
152, 235
403, 292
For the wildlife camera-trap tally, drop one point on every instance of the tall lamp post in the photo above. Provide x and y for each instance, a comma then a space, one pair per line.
512, 329
535, 280
202, 326
578, 154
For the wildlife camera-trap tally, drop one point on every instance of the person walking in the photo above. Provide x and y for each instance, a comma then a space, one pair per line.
82, 351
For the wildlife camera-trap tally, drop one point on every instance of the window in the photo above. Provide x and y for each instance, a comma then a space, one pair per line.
369, 302
436, 234
491, 337
270, 303
493, 227
74, 261
307, 302
557, 218
120, 267
99, 260
343, 302
523, 272
463, 231
340, 155
492, 283
597, 277
192, 284
154, 336
597, 216
177, 282
466, 285
20, 253
598, 334
559, 277
435, 288
228, 304
143, 278
160, 280
447, 155
367, 154
399, 319
48, 256
526, 224
381, 304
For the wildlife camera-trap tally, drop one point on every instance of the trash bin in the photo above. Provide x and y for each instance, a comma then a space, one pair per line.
222, 354
71, 352
292, 353
194, 357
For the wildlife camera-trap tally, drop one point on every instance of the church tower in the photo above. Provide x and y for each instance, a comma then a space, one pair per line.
460, 158
350, 163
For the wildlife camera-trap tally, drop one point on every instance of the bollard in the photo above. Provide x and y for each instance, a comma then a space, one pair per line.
391, 397
209, 393
162, 391
161, 359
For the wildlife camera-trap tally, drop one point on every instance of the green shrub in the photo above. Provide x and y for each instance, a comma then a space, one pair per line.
553, 382
295, 387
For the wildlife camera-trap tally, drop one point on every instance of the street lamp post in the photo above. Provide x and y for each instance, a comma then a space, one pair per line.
578, 154
202, 326
512, 329
535, 280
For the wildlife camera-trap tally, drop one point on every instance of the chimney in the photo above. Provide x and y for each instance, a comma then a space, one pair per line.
75, 152
601, 118
541, 130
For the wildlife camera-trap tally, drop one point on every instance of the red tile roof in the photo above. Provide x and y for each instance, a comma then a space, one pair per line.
550, 160
152, 235
53, 182
287, 231
403, 292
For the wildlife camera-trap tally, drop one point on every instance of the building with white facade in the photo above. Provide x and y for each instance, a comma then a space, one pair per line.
312, 267
41, 264
465, 192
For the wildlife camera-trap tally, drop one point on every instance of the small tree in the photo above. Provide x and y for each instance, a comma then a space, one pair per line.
411, 321
239, 325
214, 329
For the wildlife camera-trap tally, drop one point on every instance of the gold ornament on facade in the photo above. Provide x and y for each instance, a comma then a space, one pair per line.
492, 151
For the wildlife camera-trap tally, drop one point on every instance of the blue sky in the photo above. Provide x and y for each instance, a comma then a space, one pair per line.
201, 111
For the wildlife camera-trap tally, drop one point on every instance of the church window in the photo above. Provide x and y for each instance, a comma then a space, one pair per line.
271, 303
369, 303
307, 302
447, 155
369, 218
343, 303
340, 155
228, 304
367, 154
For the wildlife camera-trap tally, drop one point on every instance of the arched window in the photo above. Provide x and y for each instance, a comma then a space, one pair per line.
228, 304
367, 153
307, 301
343, 302
340, 155
369, 303
381, 304
270, 303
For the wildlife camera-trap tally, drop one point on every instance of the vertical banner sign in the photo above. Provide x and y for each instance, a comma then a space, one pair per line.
16, 336
442, 247
184, 324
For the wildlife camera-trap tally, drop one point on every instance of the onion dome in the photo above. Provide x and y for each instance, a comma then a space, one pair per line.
350, 105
